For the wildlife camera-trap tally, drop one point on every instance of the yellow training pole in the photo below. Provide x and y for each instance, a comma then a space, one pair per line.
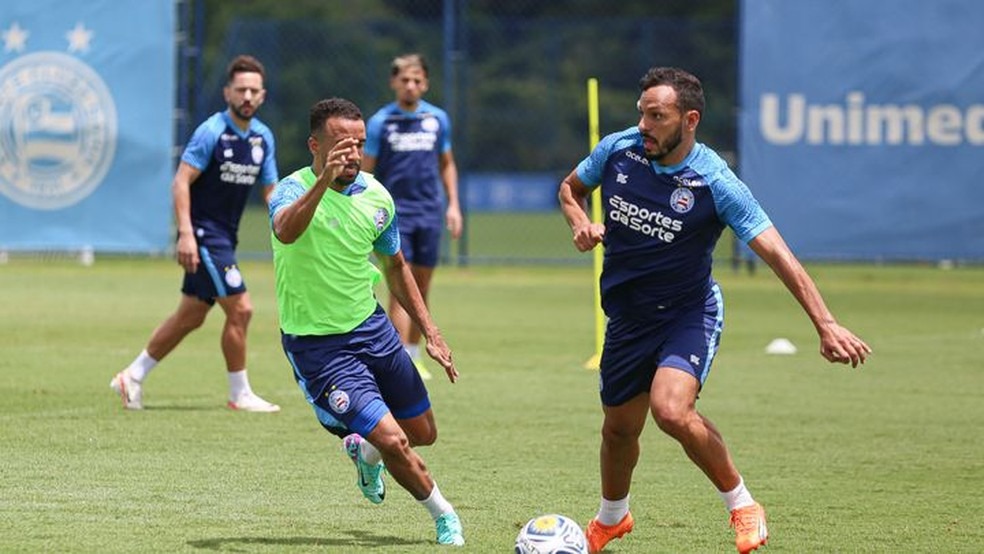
594, 362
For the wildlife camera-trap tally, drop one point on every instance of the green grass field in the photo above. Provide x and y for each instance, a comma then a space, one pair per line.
888, 458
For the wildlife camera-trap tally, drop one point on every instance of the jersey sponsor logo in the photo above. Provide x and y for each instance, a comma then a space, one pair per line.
643, 220
687, 182
339, 401
233, 277
412, 142
238, 174
682, 200
636, 157
621, 178
58, 129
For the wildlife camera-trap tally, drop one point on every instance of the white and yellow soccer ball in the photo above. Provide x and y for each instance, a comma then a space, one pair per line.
551, 534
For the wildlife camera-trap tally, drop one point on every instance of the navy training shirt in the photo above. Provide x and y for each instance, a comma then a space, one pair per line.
231, 162
662, 223
407, 147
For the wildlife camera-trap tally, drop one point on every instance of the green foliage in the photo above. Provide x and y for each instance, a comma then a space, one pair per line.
516, 92
885, 458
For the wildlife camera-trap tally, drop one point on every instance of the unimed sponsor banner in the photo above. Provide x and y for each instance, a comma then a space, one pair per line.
862, 125
86, 124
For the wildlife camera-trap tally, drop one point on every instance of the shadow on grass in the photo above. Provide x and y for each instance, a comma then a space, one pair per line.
354, 539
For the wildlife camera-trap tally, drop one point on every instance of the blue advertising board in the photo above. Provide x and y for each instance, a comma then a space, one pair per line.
862, 125
86, 124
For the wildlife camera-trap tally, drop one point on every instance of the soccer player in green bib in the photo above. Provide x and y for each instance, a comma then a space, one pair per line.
347, 357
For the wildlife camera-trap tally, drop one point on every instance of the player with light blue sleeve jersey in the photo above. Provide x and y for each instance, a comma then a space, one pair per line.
408, 148
666, 200
327, 220
228, 154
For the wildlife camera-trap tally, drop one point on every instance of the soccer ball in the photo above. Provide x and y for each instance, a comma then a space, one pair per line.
551, 534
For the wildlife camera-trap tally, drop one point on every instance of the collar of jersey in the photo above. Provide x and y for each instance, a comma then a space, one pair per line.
235, 128
676, 168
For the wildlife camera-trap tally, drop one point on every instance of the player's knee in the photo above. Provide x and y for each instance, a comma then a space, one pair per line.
393, 444
240, 315
671, 417
424, 437
619, 433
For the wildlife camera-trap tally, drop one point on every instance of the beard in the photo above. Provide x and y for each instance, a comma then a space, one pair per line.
243, 111
344, 178
665, 147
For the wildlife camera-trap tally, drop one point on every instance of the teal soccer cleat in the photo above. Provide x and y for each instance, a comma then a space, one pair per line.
449, 530
370, 477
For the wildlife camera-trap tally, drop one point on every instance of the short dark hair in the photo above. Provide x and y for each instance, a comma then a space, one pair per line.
690, 93
407, 60
323, 110
244, 63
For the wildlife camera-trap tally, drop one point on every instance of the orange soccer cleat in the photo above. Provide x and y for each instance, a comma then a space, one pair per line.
749, 525
599, 534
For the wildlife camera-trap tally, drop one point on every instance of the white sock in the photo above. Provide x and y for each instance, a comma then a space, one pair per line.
141, 366
436, 504
413, 350
369, 453
238, 384
739, 497
612, 511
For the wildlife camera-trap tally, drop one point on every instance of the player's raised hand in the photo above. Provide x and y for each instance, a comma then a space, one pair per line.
588, 236
341, 155
441, 353
840, 345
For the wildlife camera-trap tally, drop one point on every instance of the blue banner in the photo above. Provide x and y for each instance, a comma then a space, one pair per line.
862, 125
86, 124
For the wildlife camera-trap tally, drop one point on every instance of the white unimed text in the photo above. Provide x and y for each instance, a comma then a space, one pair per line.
856, 122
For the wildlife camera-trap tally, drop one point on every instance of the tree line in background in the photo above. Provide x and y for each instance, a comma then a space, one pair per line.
512, 73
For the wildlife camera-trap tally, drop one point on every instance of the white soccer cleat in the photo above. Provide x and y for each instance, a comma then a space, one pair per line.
249, 402
129, 390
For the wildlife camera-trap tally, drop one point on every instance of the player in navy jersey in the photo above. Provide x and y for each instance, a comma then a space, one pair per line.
666, 199
408, 148
227, 155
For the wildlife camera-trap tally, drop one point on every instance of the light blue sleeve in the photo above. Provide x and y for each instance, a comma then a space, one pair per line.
388, 242
590, 169
284, 194
198, 151
737, 207
442, 116
268, 173
374, 134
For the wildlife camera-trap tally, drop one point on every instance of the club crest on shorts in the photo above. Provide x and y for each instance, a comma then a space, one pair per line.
682, 200
233, 277
339, 401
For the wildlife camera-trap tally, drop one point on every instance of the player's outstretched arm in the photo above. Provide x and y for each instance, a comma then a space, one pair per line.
401, 284
837, 343
573, 196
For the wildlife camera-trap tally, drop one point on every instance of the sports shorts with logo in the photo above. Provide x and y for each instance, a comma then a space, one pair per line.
354, 379
217, 276
686, 338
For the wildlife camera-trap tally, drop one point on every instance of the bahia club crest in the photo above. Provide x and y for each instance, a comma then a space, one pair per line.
58, 126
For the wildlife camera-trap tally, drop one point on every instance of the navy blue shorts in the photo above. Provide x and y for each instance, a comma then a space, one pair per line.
420, 242
686, 339
354, 379
217, 276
